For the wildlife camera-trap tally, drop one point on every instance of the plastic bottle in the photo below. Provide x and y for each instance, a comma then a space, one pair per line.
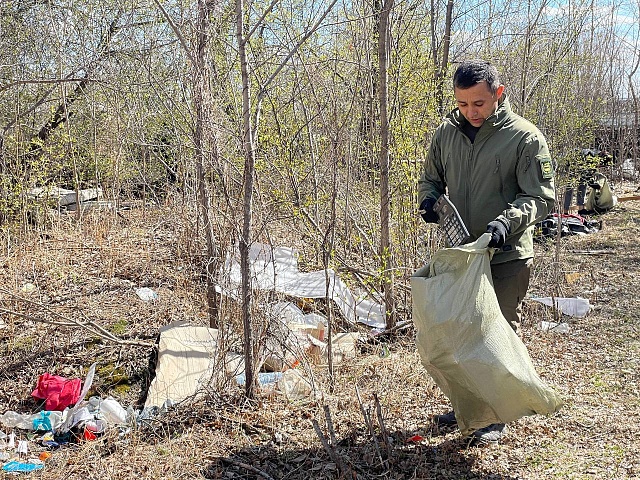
113, 412
13, 419
554, 327
295, 386
264, 378
146, 294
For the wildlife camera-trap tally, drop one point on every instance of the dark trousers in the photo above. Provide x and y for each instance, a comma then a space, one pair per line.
511, 282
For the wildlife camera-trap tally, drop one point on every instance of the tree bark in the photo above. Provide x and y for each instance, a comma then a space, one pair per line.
386, 254
201, 142
440, 66
245, 238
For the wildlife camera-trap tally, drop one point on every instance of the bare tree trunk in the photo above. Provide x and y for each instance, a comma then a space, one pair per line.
386, 254
634, 96
245, 238
201, 90
327, 249
440, 66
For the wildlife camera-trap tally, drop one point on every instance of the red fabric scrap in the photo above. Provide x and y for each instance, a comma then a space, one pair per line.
59, 392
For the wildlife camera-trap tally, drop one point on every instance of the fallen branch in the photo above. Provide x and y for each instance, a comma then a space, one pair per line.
593, 252
332, 433
398, 326
246, 466
626, 199
69, 322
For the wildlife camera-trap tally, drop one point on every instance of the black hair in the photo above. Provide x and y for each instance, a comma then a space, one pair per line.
472, 72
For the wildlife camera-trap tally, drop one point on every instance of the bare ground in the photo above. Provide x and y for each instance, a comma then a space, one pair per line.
88, 272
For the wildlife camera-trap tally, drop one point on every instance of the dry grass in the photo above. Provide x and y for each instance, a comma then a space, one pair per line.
90, 270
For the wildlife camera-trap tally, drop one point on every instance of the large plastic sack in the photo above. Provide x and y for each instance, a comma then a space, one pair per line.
601, 199
468, 347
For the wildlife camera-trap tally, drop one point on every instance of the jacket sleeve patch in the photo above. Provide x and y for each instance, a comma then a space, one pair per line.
546, 167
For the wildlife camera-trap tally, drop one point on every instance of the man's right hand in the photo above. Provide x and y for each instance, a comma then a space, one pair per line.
426, 210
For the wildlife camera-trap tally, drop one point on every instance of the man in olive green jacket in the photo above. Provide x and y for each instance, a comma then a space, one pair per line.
496, 168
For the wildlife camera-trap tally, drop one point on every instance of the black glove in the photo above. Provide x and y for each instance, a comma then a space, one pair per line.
498, 231
426, 210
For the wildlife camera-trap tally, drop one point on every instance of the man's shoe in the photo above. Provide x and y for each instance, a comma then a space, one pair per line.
488, 435
446, 420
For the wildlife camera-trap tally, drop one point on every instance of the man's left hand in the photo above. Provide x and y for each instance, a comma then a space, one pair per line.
498, 231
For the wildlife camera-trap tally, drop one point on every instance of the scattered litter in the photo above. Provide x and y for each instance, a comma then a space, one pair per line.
65, 198
25, 421
264, 378
146, 294
628, 169
112, 412
23, 448
571, 278
28, 288
86, 420
22, 467
294, 386
574, 307
277, 269
71, 419
343, 347
43, 422
570, 224
553, 327
59, 392
290, 335
89, 434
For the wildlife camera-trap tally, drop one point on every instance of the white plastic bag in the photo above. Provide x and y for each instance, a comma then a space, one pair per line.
468, 347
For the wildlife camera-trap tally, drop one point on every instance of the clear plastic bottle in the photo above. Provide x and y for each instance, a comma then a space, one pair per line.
554, 327
13, 419
113, 412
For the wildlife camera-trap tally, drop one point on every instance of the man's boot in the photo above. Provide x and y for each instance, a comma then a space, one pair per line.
488, 435
446, 420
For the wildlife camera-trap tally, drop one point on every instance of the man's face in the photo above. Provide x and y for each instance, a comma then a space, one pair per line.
477, 103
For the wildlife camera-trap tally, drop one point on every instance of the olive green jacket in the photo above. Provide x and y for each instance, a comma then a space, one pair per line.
506, 174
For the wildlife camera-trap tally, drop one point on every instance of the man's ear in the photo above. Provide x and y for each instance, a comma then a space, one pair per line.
499, 91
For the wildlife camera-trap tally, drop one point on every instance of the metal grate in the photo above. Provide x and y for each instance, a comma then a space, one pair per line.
451, 223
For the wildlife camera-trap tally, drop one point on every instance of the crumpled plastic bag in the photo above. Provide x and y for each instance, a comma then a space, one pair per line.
468, 347
58, 392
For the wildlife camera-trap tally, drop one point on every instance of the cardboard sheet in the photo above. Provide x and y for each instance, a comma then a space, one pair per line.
186, 359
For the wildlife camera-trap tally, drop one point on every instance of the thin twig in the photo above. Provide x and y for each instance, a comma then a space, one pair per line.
332, 433
333, 454
324, 441
36, 319
369, 423
383, 429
